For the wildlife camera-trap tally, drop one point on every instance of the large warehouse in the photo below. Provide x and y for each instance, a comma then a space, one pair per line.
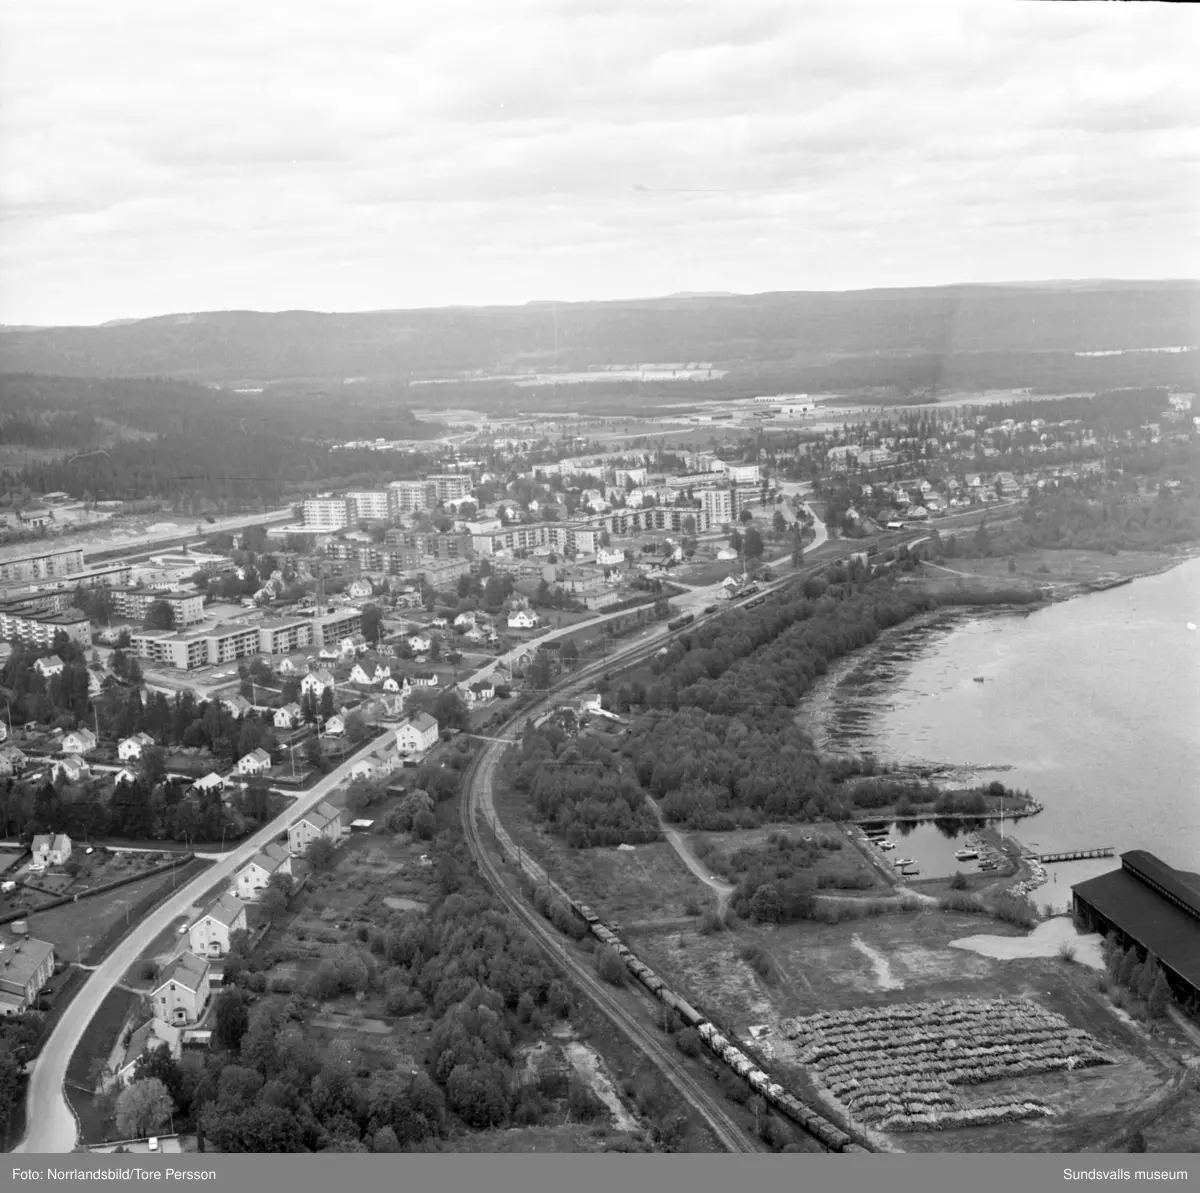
1148, 904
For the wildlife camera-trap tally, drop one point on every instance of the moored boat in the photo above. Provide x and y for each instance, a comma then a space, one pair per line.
966, 855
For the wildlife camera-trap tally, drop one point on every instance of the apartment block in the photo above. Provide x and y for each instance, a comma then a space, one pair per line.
439, 546
187, 608
440, 572
717, 505
326, 513
410, 497
38, 620
285, 636
450, 486
184, 652
368, 505
50, 564
743, 474
330, 629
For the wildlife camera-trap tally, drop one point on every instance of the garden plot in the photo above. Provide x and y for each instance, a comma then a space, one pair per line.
903, 1067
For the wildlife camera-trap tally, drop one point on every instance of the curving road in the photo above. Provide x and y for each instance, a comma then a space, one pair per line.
51, 1121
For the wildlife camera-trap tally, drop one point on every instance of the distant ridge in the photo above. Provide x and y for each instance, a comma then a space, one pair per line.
771, 329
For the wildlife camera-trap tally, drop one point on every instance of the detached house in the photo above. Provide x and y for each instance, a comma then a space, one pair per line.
417, 734
210, 935
72, 769
130, 750
322, 821
293, 664
150, 1036
51, 849
238, 706
288, 717
522, 619
251, 880
419, 643
24, 970
257, 762
183, 993
360, 675
49, 665
335, 726
211, 782
79, 741
357, 589
315, 682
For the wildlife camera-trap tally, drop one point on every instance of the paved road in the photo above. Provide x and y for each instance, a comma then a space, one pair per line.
52, 1127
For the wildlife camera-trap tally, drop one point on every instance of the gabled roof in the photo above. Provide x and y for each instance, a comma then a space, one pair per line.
137, 1044
322, 677
259, 755
226, 910
51, 660
270, 858
292, 709
323, 814
186, 970
422, 722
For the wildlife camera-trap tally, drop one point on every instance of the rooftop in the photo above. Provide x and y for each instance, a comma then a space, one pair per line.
186, 970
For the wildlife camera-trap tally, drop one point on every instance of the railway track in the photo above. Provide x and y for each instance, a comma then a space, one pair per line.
477, 804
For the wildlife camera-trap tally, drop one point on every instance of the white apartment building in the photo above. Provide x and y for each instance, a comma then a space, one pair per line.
368, 505
717, 505
326, 513
743, 474
410, 497
450, 486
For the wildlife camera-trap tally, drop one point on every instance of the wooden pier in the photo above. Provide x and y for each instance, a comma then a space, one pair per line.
1073, 855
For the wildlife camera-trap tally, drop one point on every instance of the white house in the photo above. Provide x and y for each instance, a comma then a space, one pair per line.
251, 880
148, 1037
210, 935
474, 634
257, 762
72, 769
390, 685
419, 643
293, 664
124, 775
484, 690
211, 782
608, 556
316, 682
183, 993
440, 623
322, 821
463, 620
238, 706
522, 619
288, 717
335, 726
131, 748
79, 741
417, 734
360, 675
51, 849
359, 588
49, 665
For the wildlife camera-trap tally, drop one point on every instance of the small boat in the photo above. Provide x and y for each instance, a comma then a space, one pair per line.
979, 679
887, 844
966, 855
909, 871
901, 862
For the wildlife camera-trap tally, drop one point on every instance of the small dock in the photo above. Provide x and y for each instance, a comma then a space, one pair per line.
1073, 855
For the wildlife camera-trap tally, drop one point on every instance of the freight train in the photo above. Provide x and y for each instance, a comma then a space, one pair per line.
726, 1050
680, 622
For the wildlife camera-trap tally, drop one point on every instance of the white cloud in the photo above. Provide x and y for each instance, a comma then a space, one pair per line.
291, 153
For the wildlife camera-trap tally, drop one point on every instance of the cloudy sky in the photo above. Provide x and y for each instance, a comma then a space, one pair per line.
211, 154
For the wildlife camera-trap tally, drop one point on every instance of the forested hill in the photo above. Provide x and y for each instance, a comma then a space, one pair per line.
199, 447
224, 346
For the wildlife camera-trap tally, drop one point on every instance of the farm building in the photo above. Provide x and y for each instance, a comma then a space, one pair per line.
1153, 907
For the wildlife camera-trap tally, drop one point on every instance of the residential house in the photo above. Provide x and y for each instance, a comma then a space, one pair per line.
329, 654
358, 589
51, 849
238, 706
182, 994
48, 665
440, 623
483, 691
322, 821
475, 634
421, 679
12, 760
335, 726
288, 717
419, 643
315, 682
79, 741
463, 620
124, 775
130, 750
251, 880
24, 970
72, 769
257, 762
150, 1036
210, 935
360, 675
293, 664
522, 619
211, 782
390, 685
417, 734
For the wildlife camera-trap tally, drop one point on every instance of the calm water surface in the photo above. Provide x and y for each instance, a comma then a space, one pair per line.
1093, 705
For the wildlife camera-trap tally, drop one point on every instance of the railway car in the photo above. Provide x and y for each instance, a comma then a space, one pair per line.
585, 913
679, 622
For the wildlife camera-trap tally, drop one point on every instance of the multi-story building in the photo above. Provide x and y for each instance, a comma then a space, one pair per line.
440, 572
187, 608
165, 648
229, 642
440, 546
24, 969
743, 474
331, 628
182, 995
326, 513
285, 636
450, 486
322, 821
717, 505
410, 497
37, 621
368, 505
47, 564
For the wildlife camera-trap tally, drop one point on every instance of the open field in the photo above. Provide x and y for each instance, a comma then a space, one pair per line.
1065, 566
82, 930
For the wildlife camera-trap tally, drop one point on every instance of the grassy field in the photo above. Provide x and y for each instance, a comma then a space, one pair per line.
1066, 566
79, 930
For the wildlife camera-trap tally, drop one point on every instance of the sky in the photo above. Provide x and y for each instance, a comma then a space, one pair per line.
295, 154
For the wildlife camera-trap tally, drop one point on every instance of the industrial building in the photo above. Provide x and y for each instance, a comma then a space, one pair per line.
1154, 908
